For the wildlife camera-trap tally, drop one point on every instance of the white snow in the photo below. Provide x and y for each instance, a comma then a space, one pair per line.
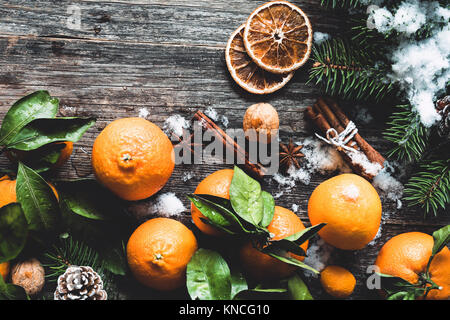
421, 68
318, 256
214, 115
387, 186
143, 113
319, 158
187, 175
320, 37
351, 192
167, 205
295, 208
175, 124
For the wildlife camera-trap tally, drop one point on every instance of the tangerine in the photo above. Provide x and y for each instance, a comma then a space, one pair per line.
351, 208
133, 158
158, 252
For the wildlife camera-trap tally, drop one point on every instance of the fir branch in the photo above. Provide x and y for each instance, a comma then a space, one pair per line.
68, 251
341, 3
430, 186
348, 72
408, 133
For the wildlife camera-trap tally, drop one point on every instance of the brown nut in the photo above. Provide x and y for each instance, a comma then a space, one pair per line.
262, 118
30, 275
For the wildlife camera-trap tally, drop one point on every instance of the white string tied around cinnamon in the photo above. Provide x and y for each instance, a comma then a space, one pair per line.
340, 140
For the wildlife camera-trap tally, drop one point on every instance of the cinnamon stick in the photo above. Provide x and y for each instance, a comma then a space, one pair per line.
255, 170
372, 154
326, 115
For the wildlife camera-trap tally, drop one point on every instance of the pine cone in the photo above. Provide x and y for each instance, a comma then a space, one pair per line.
80, 283
443, 108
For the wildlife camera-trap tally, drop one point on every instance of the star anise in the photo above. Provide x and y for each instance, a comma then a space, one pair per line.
290, 155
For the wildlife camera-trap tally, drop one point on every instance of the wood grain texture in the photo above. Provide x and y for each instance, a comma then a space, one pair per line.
168, 57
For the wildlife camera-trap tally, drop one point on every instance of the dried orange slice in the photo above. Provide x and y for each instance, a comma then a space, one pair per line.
246, 73
278, 37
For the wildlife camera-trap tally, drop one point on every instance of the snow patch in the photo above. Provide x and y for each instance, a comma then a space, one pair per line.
167, 205
175, 124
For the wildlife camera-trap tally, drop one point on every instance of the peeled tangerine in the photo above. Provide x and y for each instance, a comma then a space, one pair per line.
351, 208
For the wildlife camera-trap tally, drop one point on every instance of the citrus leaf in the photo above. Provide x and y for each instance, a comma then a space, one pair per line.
208, 276
441, 239
42, 159
208, 210
87, 198
40, 132
305, 234
37, 199
285, 245
297, 288
268, 208
13, 231
280, 255
212, 224
9, 291
36, 105
245, 197
223, 207
238, 283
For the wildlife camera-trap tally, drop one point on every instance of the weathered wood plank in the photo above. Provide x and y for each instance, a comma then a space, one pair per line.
167, 57
205, 23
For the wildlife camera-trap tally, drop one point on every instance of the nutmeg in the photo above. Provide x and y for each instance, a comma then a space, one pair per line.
30, 275
263, 118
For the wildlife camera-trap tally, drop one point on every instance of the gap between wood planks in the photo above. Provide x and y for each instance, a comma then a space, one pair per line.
89, 39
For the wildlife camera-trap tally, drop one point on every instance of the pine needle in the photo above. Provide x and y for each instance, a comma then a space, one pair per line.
430, 186
341, 3
68, 251
408, 133
348, 72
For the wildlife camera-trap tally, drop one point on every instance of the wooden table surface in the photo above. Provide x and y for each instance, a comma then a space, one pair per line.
167, 57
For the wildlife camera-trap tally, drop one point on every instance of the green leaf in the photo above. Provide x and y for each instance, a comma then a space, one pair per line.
268, 208
209, 210
394, 284
245, 197
13, 231
87, 198
297, 288
37, 199
282, 256
238, 283
41, 159
114, 259
441, 239
220, 208
208, 276
305, 234
37, 105
284, 245
9, 291
40, 132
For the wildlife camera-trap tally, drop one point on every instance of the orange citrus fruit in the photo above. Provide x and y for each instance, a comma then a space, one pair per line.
8, 191
351, 208
158, 252
216, 184
406, 256
278, 37
262, 266
248, 74
4, 270
20, 155
133, 158
337, 281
